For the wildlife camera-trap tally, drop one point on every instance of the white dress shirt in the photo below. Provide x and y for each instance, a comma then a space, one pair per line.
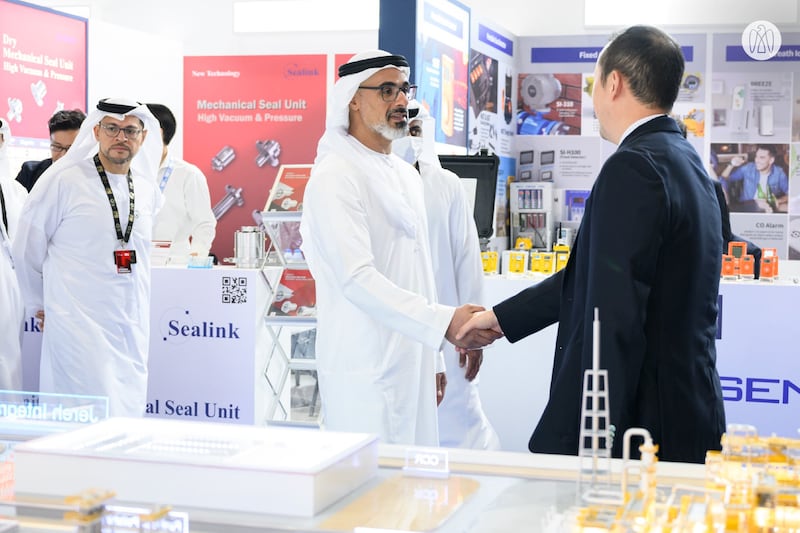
186, 211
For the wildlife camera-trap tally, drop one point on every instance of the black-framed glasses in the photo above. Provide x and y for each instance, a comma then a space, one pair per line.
57, 148
389, 91
112, 130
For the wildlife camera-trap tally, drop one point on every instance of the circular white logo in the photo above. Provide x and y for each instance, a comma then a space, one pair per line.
761, 40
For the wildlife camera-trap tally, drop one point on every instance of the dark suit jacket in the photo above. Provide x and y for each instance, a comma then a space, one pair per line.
647, 255
30, 172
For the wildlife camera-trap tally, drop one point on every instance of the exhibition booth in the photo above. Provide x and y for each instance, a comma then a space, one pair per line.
232, 345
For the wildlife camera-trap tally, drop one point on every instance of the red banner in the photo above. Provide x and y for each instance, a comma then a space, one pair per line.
44, 67
244, 117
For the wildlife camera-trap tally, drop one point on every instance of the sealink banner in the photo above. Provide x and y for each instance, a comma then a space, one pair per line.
244, 116
205, 360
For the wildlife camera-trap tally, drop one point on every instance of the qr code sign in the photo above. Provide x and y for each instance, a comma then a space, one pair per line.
234, 290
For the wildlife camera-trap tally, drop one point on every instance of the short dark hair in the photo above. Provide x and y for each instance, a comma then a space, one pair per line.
769, 148
651, 62
66, 120
166, 119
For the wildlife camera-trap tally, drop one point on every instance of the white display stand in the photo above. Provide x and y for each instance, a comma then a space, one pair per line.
282, 471
280, 362
208, 345
756, 359
515, 378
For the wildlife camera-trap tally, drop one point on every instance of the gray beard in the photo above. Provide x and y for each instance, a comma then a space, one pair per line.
392, 134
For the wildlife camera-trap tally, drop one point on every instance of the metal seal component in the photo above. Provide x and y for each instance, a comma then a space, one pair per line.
223, 158
268, 152
38, 91
14, 109
233, 196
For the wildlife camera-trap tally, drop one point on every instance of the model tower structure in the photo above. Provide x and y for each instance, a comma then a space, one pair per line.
596, 432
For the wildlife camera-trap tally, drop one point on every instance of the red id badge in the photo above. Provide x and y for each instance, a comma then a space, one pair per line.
123, 259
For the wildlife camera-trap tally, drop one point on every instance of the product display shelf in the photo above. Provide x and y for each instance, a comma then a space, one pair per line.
531, 207
280, 364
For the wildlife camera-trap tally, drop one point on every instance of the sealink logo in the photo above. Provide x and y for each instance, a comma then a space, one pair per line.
294, 71
761, 40
181, 326
32, 325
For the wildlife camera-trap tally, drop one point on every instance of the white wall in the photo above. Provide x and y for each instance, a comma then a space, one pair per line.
205, 27
136, 49
141, 66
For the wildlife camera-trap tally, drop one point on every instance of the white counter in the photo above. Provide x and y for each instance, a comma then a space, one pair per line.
220, 373
758, 358
208, 346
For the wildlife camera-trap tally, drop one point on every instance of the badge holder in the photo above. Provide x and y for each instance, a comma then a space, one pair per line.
123, 259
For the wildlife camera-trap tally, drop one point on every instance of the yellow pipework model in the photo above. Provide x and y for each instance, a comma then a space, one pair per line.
753, 484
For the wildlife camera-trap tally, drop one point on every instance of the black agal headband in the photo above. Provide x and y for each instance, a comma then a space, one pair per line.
374, 62
119, 109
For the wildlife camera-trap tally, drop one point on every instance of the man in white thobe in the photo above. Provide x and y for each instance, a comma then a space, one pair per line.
186, 212
12, 310
379, 328
458, 273
83, 254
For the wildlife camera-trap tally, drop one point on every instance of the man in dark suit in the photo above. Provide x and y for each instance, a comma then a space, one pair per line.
64, 126
647, 256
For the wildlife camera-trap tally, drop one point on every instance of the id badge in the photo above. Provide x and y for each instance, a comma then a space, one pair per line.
123, 259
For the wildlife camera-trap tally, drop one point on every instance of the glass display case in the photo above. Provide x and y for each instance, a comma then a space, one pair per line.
231, 478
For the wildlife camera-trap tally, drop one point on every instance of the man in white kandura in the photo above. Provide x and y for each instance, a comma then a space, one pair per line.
379, 328
458, 273
187, 204
83, 254
12, 310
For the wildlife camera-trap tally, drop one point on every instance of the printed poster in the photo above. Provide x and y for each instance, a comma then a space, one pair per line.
43, 71
442, 56
245, 116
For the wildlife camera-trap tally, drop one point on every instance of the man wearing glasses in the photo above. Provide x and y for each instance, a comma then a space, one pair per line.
364, 229
64, 126
83, 254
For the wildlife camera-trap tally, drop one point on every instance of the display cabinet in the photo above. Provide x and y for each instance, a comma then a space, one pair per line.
293, 479
531, 208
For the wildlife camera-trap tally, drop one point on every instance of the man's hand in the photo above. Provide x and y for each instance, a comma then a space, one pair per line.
482, 324
40, 318
472, 359
441, 384
474, 337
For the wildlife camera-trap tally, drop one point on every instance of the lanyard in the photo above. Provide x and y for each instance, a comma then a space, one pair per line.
3, 205
167, 173
123, 239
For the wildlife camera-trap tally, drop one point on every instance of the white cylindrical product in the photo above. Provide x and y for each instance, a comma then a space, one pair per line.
248, 247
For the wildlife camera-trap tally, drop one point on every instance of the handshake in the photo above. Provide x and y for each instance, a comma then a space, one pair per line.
473, 327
